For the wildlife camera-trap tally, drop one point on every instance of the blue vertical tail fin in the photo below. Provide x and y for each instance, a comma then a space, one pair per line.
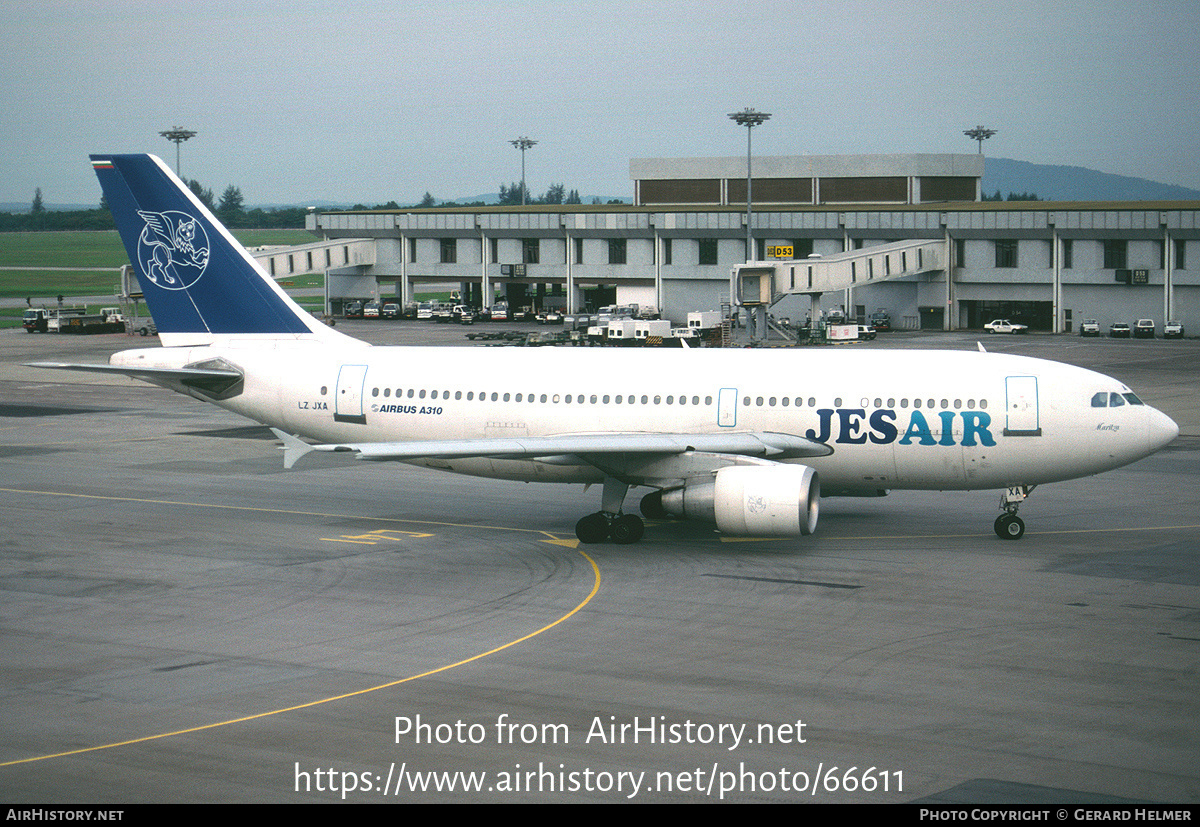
199, 282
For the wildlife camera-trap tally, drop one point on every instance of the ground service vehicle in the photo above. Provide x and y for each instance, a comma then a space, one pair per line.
1004, 326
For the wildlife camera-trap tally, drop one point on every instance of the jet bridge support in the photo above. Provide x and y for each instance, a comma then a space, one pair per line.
757, 285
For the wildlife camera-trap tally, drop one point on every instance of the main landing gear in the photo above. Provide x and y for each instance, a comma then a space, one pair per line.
609, 523
1008, 525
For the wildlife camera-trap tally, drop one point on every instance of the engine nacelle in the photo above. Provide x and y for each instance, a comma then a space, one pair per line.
779, 500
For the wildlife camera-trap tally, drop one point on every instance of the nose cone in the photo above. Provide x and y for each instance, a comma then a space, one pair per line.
1161, 430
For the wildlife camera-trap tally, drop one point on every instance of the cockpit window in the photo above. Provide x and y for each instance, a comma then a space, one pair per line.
1100, 400
1115, 400
1132, 399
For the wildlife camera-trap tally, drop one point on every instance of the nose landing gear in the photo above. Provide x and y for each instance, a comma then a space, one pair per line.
1009, 526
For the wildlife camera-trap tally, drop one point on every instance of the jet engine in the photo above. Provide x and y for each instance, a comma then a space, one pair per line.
778, 500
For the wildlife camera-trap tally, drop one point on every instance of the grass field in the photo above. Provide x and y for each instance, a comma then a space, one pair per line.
76, 253
103, 248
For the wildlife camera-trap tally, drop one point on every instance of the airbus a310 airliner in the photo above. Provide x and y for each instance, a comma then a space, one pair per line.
748, 440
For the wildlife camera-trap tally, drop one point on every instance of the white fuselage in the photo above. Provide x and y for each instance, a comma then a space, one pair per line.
895, 419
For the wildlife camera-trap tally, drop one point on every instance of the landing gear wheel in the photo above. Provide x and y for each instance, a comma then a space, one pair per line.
1010, 527
593, 528
626, 529
652, 506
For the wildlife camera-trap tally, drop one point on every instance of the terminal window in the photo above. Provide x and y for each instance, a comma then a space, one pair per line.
1116, 254
1006, 252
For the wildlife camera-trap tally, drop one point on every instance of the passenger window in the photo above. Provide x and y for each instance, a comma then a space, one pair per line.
1100, 400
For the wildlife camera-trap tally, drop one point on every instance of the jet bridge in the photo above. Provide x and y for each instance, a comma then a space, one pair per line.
757, 285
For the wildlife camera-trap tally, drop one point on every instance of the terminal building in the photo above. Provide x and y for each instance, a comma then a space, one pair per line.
1046, 264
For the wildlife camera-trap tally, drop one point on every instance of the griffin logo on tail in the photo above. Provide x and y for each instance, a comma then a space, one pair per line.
173, 249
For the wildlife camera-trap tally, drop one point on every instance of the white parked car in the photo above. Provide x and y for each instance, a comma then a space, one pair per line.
1004, 326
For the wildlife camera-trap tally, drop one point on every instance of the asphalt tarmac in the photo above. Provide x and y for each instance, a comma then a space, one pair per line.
184, 621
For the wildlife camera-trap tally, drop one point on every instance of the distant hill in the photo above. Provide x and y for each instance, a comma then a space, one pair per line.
1054, 183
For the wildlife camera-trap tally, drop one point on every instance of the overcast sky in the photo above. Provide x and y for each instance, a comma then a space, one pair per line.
371, 101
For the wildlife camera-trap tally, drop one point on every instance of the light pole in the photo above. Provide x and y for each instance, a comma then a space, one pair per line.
980, 134
749, 119
522, 144
177, 135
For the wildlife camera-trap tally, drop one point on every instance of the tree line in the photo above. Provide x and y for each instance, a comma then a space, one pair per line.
1012, 196
230, 208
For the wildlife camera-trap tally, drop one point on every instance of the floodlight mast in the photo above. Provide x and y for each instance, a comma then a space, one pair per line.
979, 134
523, 144
177, 135
749, 118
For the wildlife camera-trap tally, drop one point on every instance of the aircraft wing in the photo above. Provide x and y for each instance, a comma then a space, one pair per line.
590, 447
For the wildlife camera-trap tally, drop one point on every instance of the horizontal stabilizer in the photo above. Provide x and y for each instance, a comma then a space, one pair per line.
212, 382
